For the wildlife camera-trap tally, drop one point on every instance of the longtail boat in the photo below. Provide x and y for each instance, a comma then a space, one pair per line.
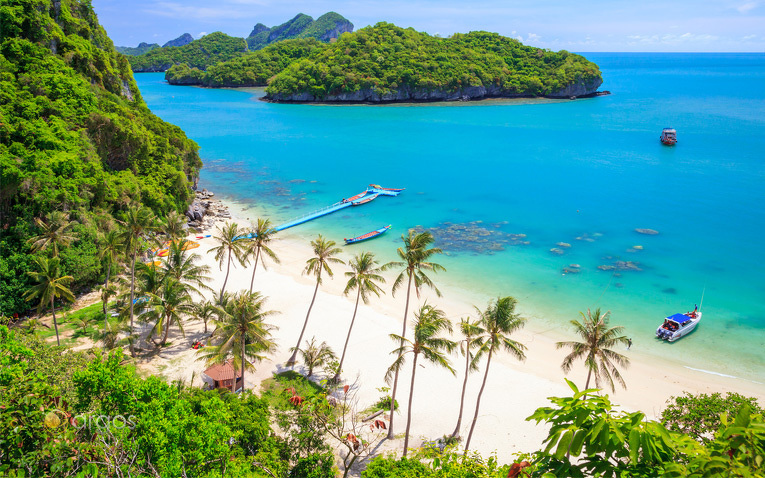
668, 137
368, 235
364, 200
356, 197
377, 186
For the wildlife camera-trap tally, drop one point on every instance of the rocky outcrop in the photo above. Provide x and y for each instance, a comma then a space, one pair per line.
204, 211
182, 40
404, 94
259, 28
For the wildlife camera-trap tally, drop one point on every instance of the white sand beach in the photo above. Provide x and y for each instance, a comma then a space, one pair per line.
514, 389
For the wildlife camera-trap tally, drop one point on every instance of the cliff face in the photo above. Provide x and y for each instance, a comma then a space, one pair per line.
259, 28
182, 40
580, 88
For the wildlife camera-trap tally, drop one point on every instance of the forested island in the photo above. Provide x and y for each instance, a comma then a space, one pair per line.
218, 47
386, 63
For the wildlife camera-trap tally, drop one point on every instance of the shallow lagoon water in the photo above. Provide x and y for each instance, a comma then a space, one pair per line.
585, 173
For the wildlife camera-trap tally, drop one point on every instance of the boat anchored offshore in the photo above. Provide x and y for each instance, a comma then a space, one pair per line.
368, 235
668, 136
678, 325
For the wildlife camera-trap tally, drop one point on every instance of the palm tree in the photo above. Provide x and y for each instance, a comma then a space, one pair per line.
230, 245
498, 321
471, 331
167, 307
428, 324
323, 255
206, 311
136, 221
263, 232
596, 350
182, 266
110, 247
241, 333
363, 277
173, 226
316, 355
53, 233
50, 286
414, 259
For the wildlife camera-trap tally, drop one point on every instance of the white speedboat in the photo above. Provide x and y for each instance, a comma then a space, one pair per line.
678, 325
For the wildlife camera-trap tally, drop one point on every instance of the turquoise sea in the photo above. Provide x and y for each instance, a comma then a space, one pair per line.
585, 173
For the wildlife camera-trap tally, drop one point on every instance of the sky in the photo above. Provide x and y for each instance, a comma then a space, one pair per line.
589, 26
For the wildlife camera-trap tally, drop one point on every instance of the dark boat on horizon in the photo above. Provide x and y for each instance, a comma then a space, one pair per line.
668, 137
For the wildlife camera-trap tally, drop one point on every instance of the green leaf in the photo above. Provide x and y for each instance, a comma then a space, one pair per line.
634, 445
565, 441
577, 442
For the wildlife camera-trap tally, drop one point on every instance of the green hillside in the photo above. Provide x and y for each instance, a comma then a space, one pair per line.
206, 51
142, 48
328, 26
389, 63
253, 69
75, 136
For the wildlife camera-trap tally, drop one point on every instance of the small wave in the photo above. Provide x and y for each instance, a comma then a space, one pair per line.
712, 373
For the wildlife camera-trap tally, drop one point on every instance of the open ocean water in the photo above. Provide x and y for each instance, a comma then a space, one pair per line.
584, 173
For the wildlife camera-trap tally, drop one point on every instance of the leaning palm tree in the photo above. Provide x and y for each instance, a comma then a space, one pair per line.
428, 324
51, 285
314, 355
135, 222
414, 259
241, 333
262, 233
181, 265
167, 307
230, 245
598, 339
363, 277
110, 246
324, 252
206, 311
471, 331
54, 232
499, 320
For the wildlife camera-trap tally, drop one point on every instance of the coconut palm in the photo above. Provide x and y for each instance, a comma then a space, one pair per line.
363, 277
181, 265
110, 247
598, 339
54, 232
263, 232
206, 311
50, 286
136, 222
499, 320
428, 324
230, 246
471, 331
168, 306
241, 333
316, 355
414, 259
324, 252
173, 226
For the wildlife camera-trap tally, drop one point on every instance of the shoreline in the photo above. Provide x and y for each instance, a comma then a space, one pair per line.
524, 386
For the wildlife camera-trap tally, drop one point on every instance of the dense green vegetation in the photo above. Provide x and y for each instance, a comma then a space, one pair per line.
253, 69
75, 136
385, 62
206, 51
328, 26
142, 48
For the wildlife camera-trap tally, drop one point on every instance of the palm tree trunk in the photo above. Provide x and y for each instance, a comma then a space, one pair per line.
456, 433
252, 281
106, 285
242, 366
293, 357
409, 410
55, 324
228, 269
587, 384
132, 299
395, 377
167, 330
478, 402
348, 338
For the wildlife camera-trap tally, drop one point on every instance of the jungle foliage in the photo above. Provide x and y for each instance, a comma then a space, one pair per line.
208, 50
75, 136
386, 58
252, 69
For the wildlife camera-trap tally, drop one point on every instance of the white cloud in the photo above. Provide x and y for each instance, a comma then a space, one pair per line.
201, 34
747, 7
